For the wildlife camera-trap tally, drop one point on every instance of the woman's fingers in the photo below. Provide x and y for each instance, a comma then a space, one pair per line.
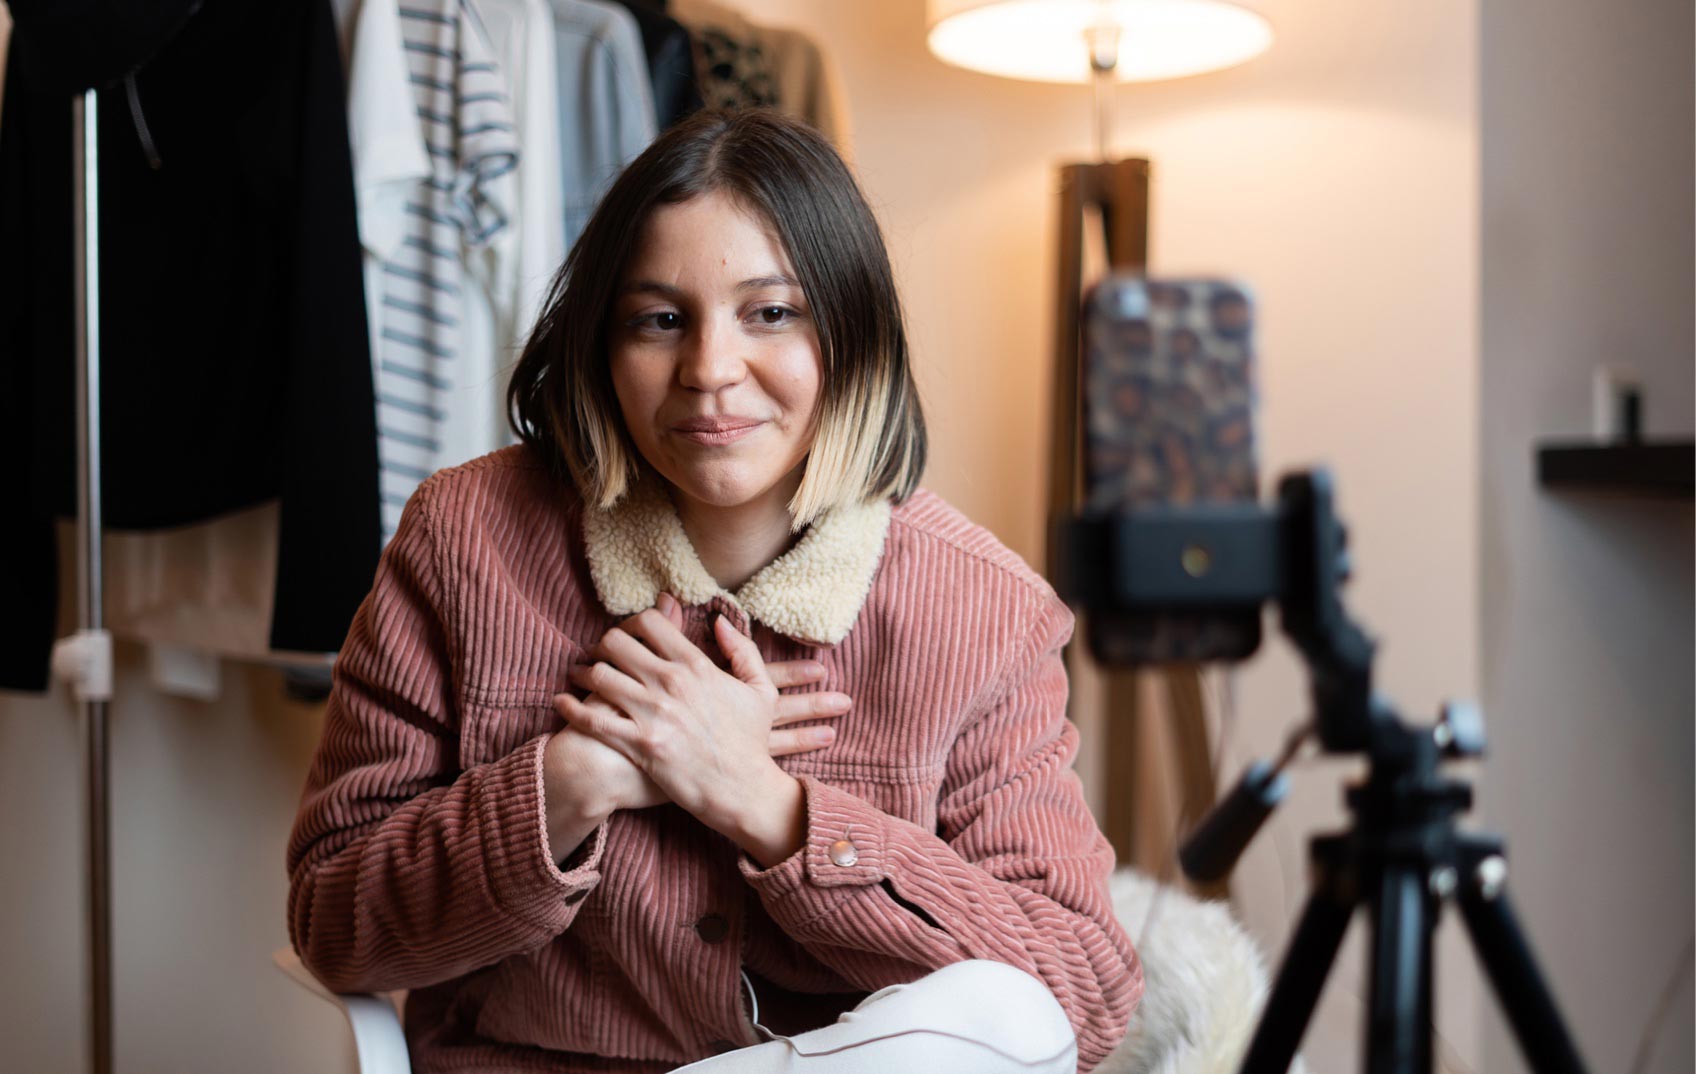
745, 660
664, 637
629, 655
612, 684
670, 608
671, 644
600, 721
606, 724
787, 673
800, 740
794, 708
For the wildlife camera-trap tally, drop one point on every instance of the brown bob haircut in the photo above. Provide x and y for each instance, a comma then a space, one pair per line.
870, 433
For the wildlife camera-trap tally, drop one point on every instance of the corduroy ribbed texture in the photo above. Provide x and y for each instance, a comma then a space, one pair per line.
419, 858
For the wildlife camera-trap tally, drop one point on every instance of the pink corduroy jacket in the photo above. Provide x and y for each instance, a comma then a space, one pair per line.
419, 858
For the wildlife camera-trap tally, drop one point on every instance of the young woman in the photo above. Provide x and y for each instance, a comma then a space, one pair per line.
667, 735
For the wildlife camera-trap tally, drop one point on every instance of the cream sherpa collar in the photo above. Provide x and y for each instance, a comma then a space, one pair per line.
813, 592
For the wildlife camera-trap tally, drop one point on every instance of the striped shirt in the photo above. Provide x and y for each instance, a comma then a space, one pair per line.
458, 209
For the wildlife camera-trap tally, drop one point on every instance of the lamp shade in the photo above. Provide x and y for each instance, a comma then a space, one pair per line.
1048, 40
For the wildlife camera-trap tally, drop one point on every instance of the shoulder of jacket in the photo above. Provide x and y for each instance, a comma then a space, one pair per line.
511, 457
513, 472
936, 529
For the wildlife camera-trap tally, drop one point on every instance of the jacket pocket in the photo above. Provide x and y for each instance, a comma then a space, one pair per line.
501, 708
908, 791
489, 732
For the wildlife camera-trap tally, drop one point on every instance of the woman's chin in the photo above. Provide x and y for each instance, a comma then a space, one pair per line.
722, 493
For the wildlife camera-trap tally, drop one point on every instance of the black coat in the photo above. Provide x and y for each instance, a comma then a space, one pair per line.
235, 364
671, 62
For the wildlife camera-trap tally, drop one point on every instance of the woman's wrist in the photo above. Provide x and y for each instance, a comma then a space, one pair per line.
769, 824
571, 804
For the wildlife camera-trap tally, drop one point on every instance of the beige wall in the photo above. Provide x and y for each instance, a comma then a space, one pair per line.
1337, 174
1587, 626
202, 796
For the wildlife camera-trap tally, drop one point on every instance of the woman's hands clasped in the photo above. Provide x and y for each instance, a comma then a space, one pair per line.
664, 723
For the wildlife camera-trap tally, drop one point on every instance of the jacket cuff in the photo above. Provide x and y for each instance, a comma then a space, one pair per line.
845, 846
521, 869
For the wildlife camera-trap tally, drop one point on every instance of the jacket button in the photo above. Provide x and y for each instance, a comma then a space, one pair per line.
844, 853
713, 928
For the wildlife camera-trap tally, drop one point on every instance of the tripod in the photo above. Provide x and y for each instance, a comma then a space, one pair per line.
1403, 857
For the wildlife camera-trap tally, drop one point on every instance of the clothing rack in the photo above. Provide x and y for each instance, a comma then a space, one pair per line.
84, 659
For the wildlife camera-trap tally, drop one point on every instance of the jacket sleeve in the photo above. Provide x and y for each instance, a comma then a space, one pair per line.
404, 870
1016, 872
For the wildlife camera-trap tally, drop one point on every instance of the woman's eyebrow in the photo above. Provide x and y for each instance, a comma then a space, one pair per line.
780, 280
636, 287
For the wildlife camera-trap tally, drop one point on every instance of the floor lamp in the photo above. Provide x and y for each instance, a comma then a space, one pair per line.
1104, 42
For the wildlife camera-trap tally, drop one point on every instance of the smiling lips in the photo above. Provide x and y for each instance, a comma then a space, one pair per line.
715, 430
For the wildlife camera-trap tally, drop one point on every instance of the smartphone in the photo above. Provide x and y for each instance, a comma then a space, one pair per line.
1168, 413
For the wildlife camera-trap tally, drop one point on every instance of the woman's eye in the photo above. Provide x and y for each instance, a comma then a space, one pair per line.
665, 321
774, 314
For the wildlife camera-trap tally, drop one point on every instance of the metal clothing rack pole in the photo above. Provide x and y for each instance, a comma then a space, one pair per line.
85, 659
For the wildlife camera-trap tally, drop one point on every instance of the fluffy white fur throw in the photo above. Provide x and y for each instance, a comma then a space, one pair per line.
1204, 983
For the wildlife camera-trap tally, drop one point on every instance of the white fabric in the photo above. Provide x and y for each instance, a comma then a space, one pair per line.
387, 141
522, 259
974, 1017
382, 126
184, 672
606, 102
528, 253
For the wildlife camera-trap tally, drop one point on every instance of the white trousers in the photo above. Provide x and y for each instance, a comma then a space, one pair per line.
973, 1017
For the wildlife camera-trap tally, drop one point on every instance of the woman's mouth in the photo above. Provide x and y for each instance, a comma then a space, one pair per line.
715, 431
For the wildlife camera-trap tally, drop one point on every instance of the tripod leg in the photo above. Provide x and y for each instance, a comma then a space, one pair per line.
1289, 1007
1507, 959
1398, 1026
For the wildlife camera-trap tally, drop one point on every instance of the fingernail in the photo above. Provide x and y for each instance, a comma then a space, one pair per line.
824, 735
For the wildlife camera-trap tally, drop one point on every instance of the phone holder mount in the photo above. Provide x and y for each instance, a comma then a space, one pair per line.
1403, 857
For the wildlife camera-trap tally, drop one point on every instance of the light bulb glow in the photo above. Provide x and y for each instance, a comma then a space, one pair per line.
1047, 40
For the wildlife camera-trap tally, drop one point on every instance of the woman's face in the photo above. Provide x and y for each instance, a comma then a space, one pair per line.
715, 358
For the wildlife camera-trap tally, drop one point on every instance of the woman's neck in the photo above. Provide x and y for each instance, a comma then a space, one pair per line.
733, 543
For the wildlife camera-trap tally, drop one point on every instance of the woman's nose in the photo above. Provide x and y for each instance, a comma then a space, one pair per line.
713, 359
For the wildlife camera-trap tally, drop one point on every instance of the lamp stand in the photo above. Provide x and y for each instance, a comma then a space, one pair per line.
1116, 193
